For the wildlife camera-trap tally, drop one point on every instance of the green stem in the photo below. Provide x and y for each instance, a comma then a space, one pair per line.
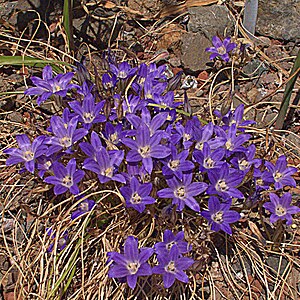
287, 93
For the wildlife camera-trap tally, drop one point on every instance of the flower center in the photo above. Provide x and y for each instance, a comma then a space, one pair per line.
66, 142
221, 186
229, 145
222, 50
199, 146
173, 164
180, 192
28, 155
88, 117
144, 151
122, 74
56, 88
186, 137
135, 198
48, 164
133, 267
148, 96
61, 242
259, 181
208, 163
243, 164
217, 217
170, 267
113, 137
277, 176
169, 245
280, 211
84, 206
67, 181
108, 172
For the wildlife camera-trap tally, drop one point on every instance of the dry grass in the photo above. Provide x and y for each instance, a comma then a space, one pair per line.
238, 267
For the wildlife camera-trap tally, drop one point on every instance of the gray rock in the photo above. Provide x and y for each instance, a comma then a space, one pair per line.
204, 23
211, 20
194, 57
279, 19
254, 67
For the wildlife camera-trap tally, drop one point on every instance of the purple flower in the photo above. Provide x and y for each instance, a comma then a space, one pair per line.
132, 263
123, 71
83, 207
262, 180
183, 191
26, 153
105, 165
88, 111
224, 182
172, 266
65, 134
65, 178
90, 149
244, 160
48, 86
145, 147
137, 195
208, 159
176, 164
169, 241
236, 117
219, 215
153, 124
186, 133
152, 91
109, 82
113, 134
62, 241
221, 49
281, 208
281, 173
204, 134
44, 163
233, 142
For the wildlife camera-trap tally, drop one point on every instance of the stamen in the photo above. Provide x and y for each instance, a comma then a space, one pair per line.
217, 217
144, 151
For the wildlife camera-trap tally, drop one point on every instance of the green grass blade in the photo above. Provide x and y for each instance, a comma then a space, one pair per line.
31, 61
287, 93
68, 22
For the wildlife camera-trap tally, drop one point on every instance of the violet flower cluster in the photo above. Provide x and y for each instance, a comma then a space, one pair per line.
134, 139
133, 262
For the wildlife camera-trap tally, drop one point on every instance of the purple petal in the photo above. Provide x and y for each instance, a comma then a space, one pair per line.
131, 248
168, 279
217, 42
131, 280
118, 271
60, 189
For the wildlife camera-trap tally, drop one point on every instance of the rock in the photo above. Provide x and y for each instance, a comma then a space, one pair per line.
7, 8
279, 19
211, 20
254, 67
170, 37
194, 57
204, 23
147, 8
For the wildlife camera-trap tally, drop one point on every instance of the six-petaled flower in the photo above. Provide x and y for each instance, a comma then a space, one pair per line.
49, 85
27, 153
172, 266
65, 178
281, 208
132, 263
219, 215
221, 48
